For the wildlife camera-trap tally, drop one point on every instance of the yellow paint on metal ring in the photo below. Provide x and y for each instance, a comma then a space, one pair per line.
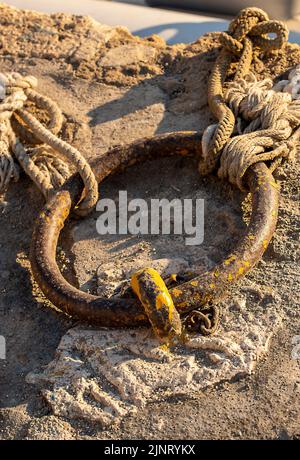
153, 294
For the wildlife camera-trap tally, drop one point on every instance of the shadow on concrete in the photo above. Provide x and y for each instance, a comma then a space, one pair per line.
294, 37
182, 32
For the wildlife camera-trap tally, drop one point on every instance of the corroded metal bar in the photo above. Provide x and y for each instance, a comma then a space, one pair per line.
158, 304
208, 287
212, 285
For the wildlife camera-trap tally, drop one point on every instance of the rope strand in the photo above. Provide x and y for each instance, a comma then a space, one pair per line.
44, 162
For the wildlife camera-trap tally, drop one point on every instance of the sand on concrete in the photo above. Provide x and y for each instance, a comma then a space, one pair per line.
114, 88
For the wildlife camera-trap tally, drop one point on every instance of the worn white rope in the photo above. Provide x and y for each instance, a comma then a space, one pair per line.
266, 128
44, 157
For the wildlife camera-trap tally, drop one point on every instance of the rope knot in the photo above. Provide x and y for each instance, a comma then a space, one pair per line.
231, 44
267, 124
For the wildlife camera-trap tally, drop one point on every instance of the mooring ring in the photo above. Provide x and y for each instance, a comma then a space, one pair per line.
190, 295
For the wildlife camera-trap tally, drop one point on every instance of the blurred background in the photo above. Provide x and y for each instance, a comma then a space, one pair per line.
177, 21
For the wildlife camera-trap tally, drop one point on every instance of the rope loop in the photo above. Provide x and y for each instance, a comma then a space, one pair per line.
44, 157
259, 35
253, 23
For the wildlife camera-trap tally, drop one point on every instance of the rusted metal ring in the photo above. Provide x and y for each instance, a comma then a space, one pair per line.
208, 287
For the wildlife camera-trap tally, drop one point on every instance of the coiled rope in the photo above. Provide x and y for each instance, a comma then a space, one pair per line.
267, 121
43, 156
264, 117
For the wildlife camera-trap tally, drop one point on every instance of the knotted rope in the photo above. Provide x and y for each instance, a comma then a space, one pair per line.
245, 97
43, 158
267, 121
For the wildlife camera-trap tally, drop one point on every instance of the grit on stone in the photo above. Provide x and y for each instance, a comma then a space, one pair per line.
114, 88
103, 375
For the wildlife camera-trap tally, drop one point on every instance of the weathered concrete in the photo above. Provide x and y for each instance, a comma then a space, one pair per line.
103, 375
106, 104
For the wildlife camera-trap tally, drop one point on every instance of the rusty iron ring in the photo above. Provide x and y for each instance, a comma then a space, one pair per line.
190, 295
